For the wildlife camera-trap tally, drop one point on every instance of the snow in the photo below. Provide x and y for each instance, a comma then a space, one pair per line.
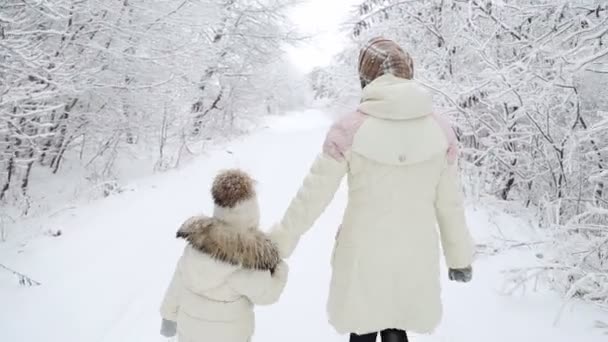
104, 276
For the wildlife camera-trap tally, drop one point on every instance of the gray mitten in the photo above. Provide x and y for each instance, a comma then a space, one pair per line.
168, 328
462, 275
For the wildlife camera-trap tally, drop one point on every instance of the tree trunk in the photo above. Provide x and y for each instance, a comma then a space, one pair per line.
10, 169
26, 177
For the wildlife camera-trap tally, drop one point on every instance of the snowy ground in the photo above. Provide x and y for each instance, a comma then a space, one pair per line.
103, 278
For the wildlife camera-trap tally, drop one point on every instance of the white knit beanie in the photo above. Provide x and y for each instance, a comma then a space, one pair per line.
235, 199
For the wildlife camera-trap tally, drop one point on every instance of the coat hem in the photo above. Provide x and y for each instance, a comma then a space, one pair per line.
381, 327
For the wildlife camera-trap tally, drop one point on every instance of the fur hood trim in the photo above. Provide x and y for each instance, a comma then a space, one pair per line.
250, 249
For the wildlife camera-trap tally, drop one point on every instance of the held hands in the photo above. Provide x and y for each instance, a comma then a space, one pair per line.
281, 271
283, 240
168, 328
461, 275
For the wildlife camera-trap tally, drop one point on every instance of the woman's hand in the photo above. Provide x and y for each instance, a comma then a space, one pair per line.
281, 271
283, 240
462, 275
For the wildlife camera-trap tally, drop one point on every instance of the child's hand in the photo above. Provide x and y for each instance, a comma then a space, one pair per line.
168, 328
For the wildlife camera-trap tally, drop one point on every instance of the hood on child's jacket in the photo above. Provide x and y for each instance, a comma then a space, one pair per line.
250, 248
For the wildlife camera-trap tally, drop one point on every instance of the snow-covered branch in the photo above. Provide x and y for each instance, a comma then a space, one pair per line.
24, 280
89, 80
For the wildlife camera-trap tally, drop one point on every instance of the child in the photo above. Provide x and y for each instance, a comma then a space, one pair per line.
227, 266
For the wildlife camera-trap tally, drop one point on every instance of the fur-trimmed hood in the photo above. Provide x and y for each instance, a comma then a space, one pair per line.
250, 248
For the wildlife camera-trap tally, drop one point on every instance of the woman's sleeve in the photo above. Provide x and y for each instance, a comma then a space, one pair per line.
455, 237
319, 186
315, 194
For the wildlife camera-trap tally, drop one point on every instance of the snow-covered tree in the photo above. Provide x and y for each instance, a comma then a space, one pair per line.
96, 80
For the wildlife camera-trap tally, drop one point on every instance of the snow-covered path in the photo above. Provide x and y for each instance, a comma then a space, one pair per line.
103, 279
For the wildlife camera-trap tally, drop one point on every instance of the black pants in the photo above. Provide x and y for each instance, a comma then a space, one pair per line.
390, 335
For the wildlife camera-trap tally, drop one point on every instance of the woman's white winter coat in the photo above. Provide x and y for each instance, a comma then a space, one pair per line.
404, 198
224, 271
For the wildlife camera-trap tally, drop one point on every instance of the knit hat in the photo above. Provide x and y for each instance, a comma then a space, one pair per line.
235, 199
382, 56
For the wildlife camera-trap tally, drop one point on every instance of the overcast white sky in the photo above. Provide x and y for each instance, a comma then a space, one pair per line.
321, 18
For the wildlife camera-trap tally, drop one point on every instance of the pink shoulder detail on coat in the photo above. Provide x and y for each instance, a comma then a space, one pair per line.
450, 135
341, 135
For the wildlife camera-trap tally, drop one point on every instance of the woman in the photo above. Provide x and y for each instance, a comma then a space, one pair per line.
403, 183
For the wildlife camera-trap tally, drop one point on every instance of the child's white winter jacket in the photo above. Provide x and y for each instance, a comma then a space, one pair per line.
225, 270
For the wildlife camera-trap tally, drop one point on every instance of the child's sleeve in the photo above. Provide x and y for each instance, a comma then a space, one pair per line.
170, 305
260, 287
